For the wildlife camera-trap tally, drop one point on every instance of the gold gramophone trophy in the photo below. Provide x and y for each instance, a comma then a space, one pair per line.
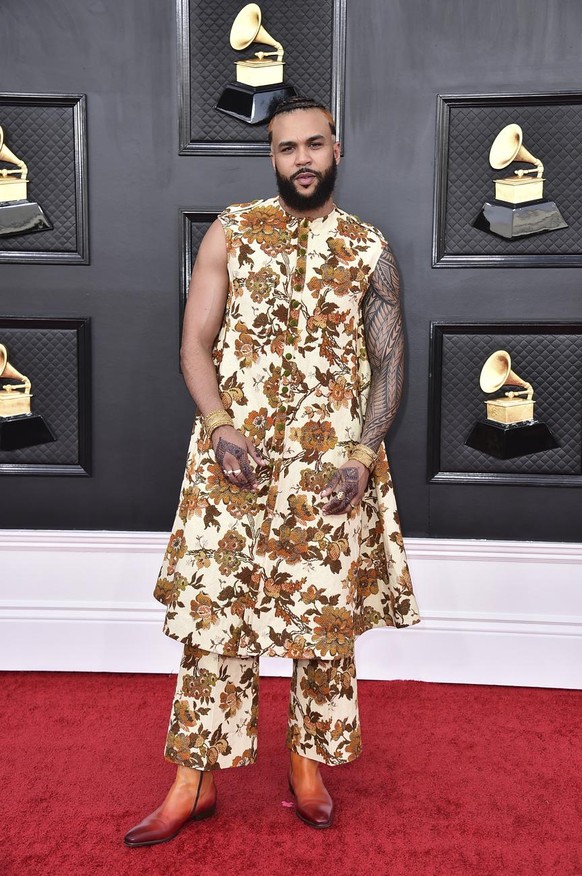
18, 426
519, 208
259, 80
18, 215
510, 428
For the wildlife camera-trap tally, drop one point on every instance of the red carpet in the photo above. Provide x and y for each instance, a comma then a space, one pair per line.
479, 781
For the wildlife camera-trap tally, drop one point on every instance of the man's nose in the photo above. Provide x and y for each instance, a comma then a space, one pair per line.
302, 156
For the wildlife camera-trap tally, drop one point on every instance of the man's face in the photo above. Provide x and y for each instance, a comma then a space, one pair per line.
304, 155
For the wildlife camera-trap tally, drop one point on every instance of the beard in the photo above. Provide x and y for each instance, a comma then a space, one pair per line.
303, 203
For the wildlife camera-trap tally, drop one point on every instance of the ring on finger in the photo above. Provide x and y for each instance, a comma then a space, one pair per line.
352, 505
234, 471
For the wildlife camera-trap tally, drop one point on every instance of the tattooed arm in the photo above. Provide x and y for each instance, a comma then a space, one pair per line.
385, 346
384, 343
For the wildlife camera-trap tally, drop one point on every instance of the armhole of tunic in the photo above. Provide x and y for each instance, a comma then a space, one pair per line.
223, 217
382, 243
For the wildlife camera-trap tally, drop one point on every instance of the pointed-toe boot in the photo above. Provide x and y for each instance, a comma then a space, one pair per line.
162, 826
314, 806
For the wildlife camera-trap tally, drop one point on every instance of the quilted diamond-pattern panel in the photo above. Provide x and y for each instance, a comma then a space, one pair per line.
552, 133
43, 137
306, 35
552, 363
196, 230
48, 357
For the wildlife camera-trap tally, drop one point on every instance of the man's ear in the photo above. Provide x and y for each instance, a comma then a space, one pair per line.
337, 152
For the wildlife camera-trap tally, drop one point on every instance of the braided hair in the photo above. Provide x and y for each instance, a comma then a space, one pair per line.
290, 104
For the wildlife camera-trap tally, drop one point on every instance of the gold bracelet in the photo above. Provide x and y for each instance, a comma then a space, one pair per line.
364, 454
215, 419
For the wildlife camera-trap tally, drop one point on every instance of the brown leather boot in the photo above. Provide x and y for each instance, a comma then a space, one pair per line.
313, 804
192, 797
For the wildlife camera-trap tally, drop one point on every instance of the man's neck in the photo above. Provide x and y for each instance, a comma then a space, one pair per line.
317, 213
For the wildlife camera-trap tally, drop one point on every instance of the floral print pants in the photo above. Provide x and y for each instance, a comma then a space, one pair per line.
213, 724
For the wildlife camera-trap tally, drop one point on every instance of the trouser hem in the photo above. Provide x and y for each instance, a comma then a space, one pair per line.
324, 758
213, 724
204, 766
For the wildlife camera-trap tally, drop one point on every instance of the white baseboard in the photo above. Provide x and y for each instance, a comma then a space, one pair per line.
493, 612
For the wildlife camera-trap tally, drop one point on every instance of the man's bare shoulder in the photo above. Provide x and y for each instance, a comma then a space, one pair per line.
212, 249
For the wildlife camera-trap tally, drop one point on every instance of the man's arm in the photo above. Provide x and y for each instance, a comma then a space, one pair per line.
385, 346
384, 343
202, 320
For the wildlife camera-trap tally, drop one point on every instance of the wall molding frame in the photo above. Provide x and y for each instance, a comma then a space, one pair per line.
53, 128
55, 353
456, 401
466, 125
488, 610
206, 64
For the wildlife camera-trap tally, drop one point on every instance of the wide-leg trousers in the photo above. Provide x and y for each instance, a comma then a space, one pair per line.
213, 723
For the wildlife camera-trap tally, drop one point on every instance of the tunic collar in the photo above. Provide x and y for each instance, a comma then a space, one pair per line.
313, 223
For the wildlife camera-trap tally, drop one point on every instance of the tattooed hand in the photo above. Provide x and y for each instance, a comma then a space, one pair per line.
232, 452
346, 487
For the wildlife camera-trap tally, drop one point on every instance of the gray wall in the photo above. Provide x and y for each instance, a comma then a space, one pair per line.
401, 53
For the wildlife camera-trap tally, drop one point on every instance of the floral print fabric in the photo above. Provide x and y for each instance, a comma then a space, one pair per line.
213, 723
251, 573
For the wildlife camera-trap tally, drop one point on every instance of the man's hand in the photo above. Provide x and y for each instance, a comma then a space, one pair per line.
232, 451
346, 486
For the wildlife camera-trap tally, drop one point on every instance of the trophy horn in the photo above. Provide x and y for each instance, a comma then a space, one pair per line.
9, 371
496, 372
10, 158
19, 427
508, 146
246, 29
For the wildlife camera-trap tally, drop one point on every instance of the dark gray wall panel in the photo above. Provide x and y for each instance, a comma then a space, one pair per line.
401, 54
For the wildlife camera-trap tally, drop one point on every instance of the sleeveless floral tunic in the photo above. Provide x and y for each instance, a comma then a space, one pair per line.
268, 573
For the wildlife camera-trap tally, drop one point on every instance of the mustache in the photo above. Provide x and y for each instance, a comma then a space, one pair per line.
302, 170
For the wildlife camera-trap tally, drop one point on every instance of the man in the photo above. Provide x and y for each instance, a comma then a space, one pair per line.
287, 539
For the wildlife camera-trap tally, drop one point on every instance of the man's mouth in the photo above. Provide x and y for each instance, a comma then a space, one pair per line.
304, 178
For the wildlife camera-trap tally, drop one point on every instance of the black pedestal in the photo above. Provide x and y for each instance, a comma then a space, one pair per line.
252, 104
508, 441
22, 217
24, 430
519, 220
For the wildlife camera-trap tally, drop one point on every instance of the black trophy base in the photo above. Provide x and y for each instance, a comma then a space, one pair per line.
252, 104
22, 217
24, 430
508, 441
519, 220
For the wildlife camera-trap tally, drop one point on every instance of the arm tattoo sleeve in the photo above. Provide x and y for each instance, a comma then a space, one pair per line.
384, 343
